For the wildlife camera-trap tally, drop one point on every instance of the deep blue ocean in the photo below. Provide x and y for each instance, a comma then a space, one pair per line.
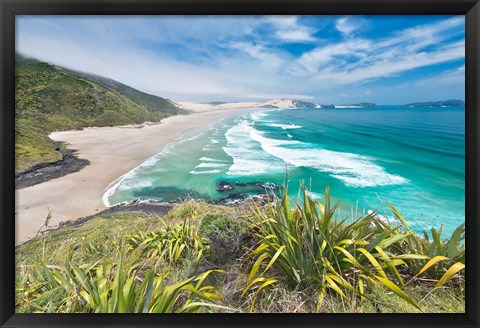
413, 158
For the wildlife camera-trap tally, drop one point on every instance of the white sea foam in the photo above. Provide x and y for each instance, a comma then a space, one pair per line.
242, 166
289, 135
208, 147
129, 180
248, 158
151, 161
115, 184
134, 184
209, 164
285, 126
208, 159
257, 116
371, 178
204, 172
352, 169
387, 219
314, 195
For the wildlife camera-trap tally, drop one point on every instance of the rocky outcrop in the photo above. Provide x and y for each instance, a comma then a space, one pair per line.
46, 171
224, 186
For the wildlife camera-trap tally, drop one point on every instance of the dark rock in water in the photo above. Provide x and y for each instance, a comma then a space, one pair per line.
243, 191
224, 186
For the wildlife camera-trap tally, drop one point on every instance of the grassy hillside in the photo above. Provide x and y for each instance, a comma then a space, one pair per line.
148, 100
207, 258
51, 98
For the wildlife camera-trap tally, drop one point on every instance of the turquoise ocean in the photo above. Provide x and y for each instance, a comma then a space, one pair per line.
413, 158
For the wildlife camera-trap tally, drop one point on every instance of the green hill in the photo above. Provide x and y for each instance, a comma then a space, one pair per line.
51, 98
148, 100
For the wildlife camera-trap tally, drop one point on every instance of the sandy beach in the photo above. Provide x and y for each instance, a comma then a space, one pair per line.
112, 152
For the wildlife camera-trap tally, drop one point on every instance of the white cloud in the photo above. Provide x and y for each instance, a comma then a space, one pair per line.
245, 59
230, 77
268, 57
140, 69
289, 29
322, 56
347, 25
383, 68
361, 60
422, 36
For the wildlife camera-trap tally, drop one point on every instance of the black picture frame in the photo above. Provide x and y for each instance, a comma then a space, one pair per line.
10, 8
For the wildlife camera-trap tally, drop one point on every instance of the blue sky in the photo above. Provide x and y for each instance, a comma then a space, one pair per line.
324, 59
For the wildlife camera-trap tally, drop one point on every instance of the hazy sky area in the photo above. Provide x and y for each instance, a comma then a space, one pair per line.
323, 59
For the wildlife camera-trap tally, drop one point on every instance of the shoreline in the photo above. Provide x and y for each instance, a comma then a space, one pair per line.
113, 185
112, 152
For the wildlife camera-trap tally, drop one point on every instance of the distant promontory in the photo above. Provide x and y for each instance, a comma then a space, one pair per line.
444, 103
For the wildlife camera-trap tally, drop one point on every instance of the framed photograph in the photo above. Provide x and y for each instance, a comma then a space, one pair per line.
209, 163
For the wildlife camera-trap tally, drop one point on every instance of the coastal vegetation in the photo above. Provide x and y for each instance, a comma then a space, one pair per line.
286, 256
49, 98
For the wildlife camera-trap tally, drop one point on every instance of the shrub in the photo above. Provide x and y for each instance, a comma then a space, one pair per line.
225, 235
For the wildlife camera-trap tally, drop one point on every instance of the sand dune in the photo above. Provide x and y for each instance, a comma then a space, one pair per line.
203, 107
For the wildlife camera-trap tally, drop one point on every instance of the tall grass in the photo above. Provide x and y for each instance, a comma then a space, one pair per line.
435, 258
310, 248
106, 288
129, 286
120, 288
171, 243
